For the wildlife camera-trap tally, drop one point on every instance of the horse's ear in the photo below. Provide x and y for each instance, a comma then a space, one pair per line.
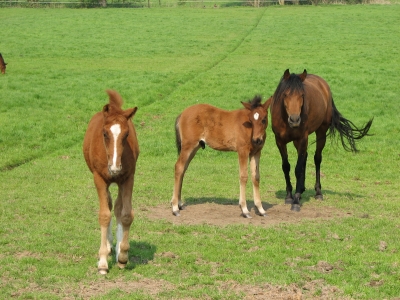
286, 75
246, 105
106, 109
303, 75
130, 112
267, 103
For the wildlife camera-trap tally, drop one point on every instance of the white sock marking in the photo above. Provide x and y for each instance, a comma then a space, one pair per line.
109, 236
119, 239
116, 130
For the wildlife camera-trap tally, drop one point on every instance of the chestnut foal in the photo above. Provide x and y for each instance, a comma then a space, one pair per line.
241, 130
111, 150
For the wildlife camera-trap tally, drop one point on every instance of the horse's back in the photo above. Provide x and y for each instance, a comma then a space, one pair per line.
200, 116
218, 128
133, 141
319, 100
91, 148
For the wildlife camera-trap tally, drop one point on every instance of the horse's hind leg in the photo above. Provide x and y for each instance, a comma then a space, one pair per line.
321, 139
186, 155
104, 221
255, 177
109, 229
124, 214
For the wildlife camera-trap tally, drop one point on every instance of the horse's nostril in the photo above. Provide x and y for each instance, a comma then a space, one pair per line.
258, 141
295, 119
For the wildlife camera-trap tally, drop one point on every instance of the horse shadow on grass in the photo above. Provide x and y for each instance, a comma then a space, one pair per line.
140, 253
309, 195
223, 201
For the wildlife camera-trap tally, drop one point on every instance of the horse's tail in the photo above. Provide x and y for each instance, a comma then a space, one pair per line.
178, 135
347, 130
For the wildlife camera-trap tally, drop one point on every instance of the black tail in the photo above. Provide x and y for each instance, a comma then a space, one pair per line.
347, 130
178, 135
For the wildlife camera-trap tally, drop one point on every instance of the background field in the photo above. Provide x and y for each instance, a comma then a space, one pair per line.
163, 60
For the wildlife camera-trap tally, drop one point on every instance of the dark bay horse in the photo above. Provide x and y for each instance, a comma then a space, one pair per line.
303, 104
111, 150
241, 130
2, 65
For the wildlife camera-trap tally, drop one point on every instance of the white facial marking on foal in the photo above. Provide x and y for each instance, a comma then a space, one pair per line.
256, 115
116, 130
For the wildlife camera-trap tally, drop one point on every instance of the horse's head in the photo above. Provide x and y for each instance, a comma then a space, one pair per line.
292, 95
2, 65
258, 118
116, 131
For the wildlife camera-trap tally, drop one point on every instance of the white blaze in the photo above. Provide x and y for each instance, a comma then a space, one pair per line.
116, 130
256, 115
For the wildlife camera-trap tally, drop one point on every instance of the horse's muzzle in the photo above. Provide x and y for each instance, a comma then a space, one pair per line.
258, 142
114, 171
294, 121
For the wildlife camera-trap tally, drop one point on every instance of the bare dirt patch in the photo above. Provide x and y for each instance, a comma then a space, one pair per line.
316, 289
228, 214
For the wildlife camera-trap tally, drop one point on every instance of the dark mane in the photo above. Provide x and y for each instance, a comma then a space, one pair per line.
292, 84
256, 102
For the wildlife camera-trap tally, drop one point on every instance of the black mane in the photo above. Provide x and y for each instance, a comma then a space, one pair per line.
292, 84
256, 102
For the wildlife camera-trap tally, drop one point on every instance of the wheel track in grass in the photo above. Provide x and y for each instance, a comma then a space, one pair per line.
240, 43
195, 75
11, 166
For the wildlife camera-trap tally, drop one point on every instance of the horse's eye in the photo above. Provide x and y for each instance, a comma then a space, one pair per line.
264, 121
105, 135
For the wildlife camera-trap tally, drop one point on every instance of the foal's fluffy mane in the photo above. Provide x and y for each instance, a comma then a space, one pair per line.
115, 101
256, 102
292, 84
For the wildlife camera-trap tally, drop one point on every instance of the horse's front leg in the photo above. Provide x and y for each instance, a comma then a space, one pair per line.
255, 177
124, 214
104, 221
243, 176
300, 172
286, 170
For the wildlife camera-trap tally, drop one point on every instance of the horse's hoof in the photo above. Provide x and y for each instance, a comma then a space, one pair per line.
121, 265
288, 200
262, 214
176, 213
102, 271
319, 197
295, 207
247, 216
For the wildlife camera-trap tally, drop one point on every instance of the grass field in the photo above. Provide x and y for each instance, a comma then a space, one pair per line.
60, 62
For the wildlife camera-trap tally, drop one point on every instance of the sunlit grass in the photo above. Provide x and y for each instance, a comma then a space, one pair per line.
162, 60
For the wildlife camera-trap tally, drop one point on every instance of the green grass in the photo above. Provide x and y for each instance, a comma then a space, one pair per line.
163, 60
